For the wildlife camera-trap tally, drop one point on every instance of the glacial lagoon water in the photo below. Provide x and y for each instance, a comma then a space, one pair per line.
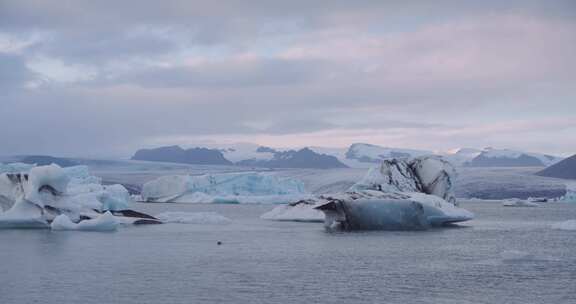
506, 255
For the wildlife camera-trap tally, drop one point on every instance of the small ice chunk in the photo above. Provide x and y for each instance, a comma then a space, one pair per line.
300, 212
514, 255
104, 222
211, 218
570, 196
566, 225
23, 214
514, 202
115, 197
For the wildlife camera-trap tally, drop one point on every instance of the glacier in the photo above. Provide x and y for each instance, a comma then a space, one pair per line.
231, 188
402, 194
63, 199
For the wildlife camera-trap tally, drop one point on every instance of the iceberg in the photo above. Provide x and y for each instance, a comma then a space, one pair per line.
570, 196
63, 199
226, 188
427, 174
399, 195
24, 214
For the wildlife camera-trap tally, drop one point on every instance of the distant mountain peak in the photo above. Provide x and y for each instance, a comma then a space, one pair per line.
491, 157
303, 158
563, 169
175, 154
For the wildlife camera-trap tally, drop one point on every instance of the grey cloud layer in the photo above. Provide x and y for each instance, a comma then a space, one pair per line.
408, 74
13, 72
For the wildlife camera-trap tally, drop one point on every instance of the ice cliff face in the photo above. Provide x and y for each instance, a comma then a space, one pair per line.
248, 187
67, 196
429, 174
15, 168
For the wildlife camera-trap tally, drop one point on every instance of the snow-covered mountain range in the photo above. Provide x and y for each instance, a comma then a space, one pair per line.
358, 155
368, 153
490, 157
242, 155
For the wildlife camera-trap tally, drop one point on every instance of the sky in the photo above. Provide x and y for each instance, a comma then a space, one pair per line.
104, 78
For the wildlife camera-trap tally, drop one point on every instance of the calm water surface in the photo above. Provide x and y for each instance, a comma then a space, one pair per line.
506, 255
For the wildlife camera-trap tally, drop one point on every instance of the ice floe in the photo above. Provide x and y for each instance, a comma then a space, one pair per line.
212, 218
230, 188
515, 202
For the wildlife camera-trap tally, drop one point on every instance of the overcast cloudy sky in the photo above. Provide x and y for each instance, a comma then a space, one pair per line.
103, 78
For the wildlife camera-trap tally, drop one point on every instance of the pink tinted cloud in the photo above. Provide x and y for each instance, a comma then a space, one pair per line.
492, 48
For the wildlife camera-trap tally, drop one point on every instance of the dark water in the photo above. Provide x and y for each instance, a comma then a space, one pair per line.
507, 255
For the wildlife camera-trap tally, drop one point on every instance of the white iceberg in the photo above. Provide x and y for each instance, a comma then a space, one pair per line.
44, 194
570, 196
401, 194
231, 188
211, 218
103, 222
566, 225
24, 214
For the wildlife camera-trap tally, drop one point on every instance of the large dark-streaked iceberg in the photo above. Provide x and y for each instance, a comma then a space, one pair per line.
64, 199
399, 195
